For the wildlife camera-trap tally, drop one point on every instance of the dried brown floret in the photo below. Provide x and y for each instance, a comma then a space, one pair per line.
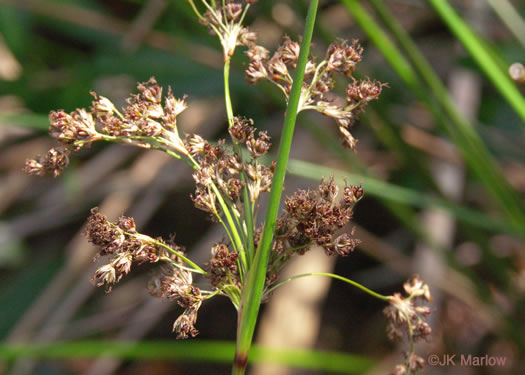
407, 318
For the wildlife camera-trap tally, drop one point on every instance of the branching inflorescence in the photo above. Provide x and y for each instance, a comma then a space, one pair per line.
230, 180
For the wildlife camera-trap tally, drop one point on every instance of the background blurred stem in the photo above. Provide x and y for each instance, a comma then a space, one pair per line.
484, 59
253, 289
510, 17
472, 147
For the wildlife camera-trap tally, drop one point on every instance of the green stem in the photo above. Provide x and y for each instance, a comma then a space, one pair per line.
248, 214
227, 97
334, 276
161, 244
253, 289
231, 224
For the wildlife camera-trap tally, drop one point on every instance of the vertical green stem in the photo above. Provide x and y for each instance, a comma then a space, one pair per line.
254, 286
227, 97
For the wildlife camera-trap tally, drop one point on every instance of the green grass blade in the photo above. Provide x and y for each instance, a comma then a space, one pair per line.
188, 351
25, 120
490, 67
462, 133
253, 289
386, 191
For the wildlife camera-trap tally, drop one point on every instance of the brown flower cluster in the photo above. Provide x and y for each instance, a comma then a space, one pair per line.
319, 80
176, 284
145, 122
223, 267
221, 168
125, 245
314, 218
224, 19
121, 241
407, 318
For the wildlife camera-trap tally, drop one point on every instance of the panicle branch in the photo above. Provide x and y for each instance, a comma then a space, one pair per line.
319, 80
145, 122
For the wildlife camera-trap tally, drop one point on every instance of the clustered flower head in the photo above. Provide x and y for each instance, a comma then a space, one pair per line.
146, 122
407, 319
314, 218
174, 283
224, 19
319, 80
124, 245
223, 168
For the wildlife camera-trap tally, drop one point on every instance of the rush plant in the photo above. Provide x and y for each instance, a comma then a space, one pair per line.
230, 178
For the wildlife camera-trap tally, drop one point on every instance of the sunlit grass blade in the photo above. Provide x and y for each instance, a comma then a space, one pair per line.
471, 42
462, 133
253, 289
188, 351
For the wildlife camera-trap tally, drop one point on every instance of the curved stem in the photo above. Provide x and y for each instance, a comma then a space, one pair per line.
195, 10
334, 276
175, 264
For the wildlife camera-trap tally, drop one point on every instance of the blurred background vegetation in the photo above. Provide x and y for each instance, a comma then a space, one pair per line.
441, 157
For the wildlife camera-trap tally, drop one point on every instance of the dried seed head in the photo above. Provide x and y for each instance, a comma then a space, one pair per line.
289, 52
247, 38
344, 244
255, 72
184, 326
363, 91
342, 57
105, 275
151, 91
223, 266
258, 53
352, 195
260, 146
233, 11
348, 139
102, 105
122, 263
241, 129
195, 144
55, 161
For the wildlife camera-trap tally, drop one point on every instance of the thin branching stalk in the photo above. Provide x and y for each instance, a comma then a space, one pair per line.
334, 276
